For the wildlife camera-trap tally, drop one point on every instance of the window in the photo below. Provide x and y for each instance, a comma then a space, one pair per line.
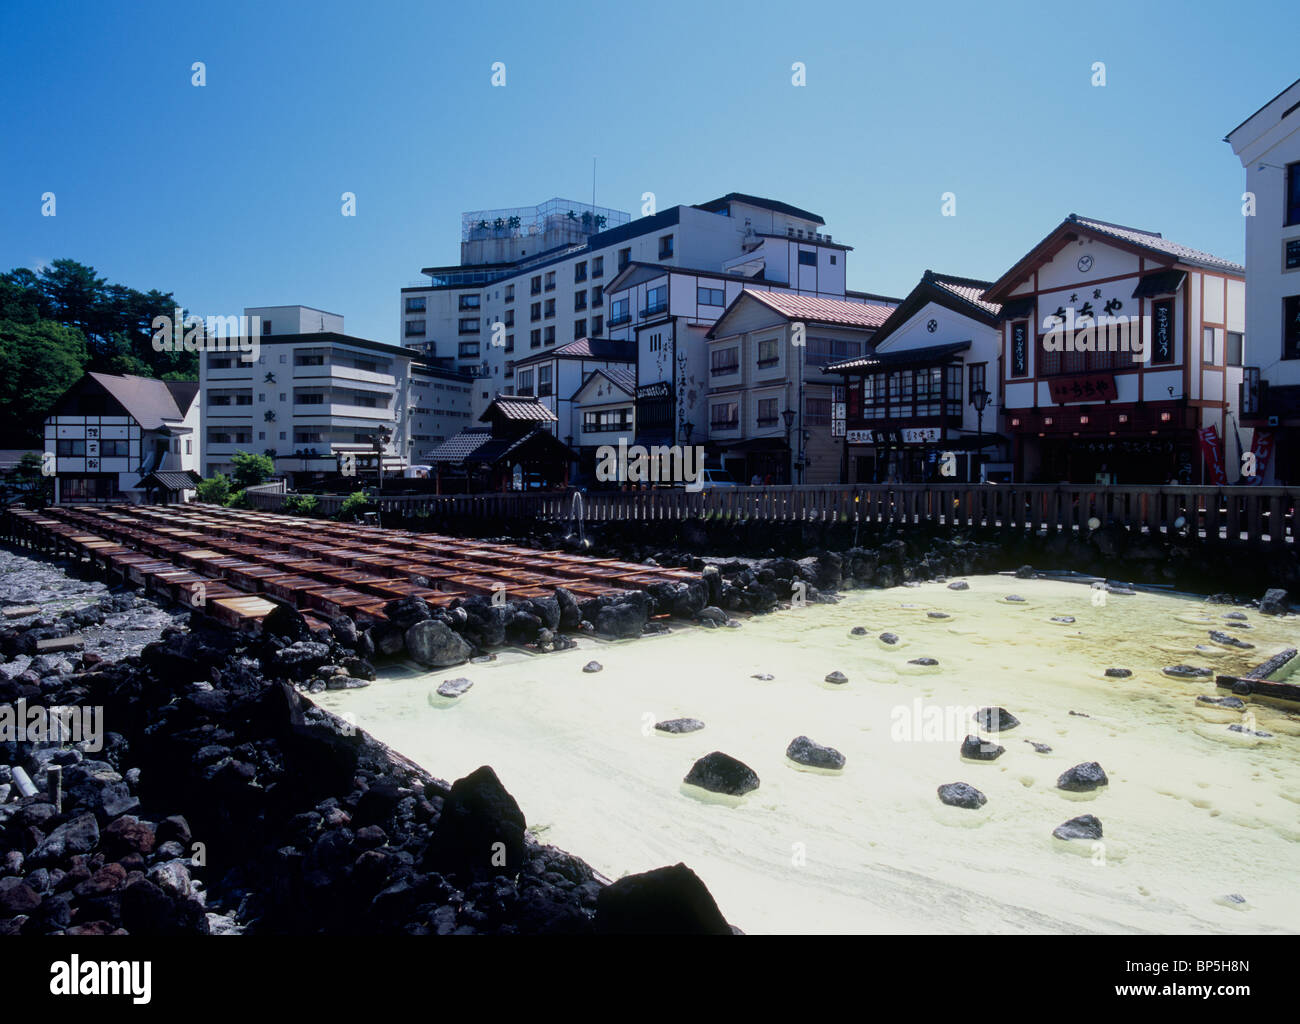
580, 272
579, 301
510, 318
535, 311
724, 416
216, 362
977, 378
525, 382
266, 326
189, 446
597, 326
416, 305
807, 257
543, 381
829, 350
1236, 348
598, 296
1291, 327
1293, 194
606, 421
711, 296
469, 302
309, 398
510, 293
666, 247
769, 353
69, 447
656, 300
535, 285
1207, 345
618, 312
624, 258
415, 328
535, 338
832, 259
549, 336
723, 361
952, 375
308, 358
598, 267
510, 342
469, 325
579, 329
767, 413
467, 350
261, 435
306, 437
550, 280
817, 411
550, 308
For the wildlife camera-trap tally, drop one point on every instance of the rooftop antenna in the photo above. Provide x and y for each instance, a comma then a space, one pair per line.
593, 181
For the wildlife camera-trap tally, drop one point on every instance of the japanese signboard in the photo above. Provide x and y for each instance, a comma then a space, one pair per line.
1095, 388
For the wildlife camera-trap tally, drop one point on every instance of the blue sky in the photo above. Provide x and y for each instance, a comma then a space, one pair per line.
229, 195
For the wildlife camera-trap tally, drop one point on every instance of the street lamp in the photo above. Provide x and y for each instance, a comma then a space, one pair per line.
788, 416
688, 428
380, 439
980, 399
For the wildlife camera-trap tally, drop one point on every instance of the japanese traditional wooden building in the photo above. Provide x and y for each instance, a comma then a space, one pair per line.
1121, 358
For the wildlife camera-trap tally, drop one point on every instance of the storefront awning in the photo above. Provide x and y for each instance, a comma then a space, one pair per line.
1162, 282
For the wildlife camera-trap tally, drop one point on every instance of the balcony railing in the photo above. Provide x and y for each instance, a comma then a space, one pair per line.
654, 310
618, 320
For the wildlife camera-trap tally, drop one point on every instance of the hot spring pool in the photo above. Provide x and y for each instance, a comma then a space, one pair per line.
1194, 812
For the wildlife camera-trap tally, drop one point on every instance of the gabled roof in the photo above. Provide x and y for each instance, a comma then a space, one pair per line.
962, 295
523, 408
503, 449
586, 348
171, 480
836, 312
1228, 137
624, 380
1146, 243
151, 403
714, 205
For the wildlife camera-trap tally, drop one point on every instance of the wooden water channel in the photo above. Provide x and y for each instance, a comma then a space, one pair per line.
1236, 515
234, 564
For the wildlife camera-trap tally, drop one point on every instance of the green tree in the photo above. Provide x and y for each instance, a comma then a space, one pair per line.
251, 469
215, 489
39, 361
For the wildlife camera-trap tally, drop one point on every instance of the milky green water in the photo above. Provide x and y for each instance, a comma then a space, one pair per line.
1192, 814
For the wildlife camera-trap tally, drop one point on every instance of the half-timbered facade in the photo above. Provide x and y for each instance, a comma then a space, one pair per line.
1118, 363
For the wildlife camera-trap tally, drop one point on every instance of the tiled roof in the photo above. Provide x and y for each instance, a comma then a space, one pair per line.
512, 407
626, 379
966, 288
456, 448
825, 311
172, 481
1154, 241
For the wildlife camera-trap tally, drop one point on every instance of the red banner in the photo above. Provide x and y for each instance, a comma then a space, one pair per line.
1212, 452
1262, 445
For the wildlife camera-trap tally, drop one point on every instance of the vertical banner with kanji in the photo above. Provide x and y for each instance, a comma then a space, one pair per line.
1212, 452
1262, 445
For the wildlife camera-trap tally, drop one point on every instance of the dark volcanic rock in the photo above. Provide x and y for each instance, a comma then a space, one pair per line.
1234, 703
1118, 673
1083, 827
976, 749
721, 773
665, 901
80, 835
405, 612
481, 831
454, 687
962, 794
838, 678
804, 751
1273, 602
1228, 640
680, 725
435, 645
889, 638
996, 719
1187, 672
958, 585
1082, 778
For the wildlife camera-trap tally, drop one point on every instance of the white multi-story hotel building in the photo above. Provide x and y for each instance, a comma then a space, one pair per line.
313, 395
1268, 145
541, 278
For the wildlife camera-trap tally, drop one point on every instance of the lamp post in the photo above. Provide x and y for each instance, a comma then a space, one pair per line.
788, 416
980, 399
688, 428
